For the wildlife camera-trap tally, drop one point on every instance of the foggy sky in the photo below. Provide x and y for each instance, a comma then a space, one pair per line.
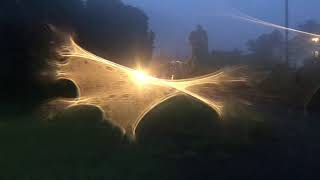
173, 20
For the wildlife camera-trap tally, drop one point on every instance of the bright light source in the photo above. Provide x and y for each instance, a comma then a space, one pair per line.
316, 54
316, 40
141, 77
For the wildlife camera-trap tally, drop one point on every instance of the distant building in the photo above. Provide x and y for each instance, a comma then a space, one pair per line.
199, 44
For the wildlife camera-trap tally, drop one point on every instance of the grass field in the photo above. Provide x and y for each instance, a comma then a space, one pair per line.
181, 139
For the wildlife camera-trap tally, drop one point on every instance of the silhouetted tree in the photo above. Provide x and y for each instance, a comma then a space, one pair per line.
107, 27
302, 46
116, 31
267, 46
25, 41
311, 26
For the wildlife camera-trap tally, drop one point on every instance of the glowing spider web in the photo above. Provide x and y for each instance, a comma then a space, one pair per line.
126, 95
245, 17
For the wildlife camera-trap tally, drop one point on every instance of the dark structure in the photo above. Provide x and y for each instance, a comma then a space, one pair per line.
287, 32
199, 43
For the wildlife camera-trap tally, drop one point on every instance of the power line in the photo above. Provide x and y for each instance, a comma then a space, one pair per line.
287, 31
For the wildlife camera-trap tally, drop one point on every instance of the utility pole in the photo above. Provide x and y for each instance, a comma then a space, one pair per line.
287, 31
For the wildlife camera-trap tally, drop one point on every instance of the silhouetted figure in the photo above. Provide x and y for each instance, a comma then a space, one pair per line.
199, 43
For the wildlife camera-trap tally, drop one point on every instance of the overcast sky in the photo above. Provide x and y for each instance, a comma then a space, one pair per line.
173, 20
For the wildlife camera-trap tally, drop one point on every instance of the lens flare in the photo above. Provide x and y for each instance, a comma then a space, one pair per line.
126, 95
141, 77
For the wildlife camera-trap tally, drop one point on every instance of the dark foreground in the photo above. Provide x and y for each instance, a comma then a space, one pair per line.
188, 142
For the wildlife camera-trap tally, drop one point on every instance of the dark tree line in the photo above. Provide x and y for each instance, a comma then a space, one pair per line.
267, 46
109, 28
